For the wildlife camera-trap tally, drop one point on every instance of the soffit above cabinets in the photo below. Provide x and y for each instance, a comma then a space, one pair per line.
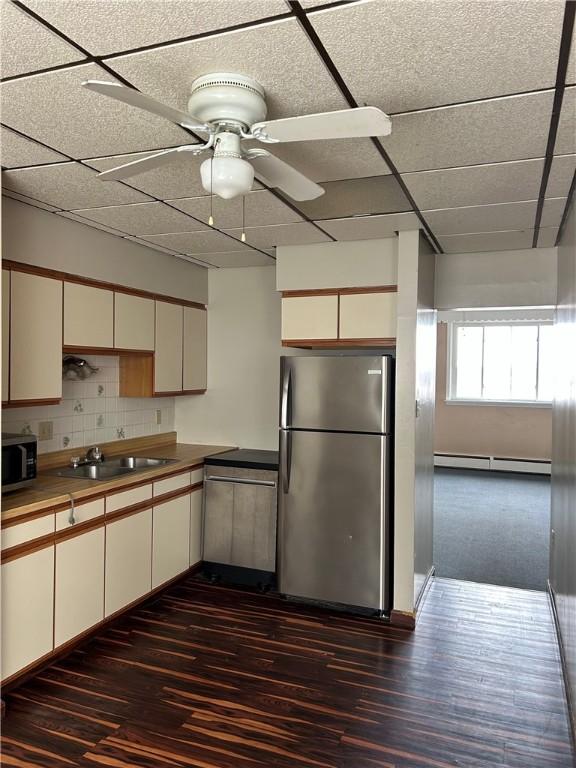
469, 87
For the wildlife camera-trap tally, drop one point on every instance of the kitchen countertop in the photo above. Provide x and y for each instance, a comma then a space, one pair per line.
246, 457
51, 490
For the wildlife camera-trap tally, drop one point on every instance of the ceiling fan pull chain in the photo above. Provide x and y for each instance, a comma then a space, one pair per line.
243, 237
211, 217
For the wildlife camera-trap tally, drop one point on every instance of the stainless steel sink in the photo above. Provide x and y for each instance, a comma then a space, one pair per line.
114, 467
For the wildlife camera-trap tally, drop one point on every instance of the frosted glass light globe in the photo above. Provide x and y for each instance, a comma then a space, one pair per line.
231, 176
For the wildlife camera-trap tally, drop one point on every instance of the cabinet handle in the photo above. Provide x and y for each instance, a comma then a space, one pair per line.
240, 481
71, 518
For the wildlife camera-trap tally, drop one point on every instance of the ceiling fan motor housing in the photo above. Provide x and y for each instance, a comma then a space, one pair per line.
223, 97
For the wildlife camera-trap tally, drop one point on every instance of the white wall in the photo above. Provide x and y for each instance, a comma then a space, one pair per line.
496, 279
241, 404
44, 239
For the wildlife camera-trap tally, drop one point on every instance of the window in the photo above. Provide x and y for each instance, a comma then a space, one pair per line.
501, 362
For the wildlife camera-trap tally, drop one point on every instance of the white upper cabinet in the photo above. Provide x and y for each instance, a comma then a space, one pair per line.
5, 334
368, 315
195, 349
35, 337
133, 322
168, 347
310, 317
88, 316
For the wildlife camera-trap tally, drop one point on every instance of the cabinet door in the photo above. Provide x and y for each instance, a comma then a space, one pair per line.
195, 348
88, 316
128, 560
196, 498
35, 337
133, 322
309, 317
5, 333
168, 348
368, 316
27, 610
79, 588
171, 545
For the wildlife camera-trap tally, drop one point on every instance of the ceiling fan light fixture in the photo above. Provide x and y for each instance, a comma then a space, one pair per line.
227, 177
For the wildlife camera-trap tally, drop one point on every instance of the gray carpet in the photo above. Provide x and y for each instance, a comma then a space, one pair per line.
492, 527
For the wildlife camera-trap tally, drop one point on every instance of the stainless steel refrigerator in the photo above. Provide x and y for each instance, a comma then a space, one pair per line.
335, 479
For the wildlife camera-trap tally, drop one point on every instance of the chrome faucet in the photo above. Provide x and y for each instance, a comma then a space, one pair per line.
93, 455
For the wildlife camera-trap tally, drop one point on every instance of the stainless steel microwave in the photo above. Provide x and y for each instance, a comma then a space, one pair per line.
19, 457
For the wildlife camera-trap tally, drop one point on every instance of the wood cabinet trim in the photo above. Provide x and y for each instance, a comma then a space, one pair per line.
23, 403
80, 528
326, 343
171, 495
119, 514
73, 348
16, 266
13, 521
27, 548
339, 291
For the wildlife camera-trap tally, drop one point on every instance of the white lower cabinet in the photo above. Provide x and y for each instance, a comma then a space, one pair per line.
171, 549
128, 561
196, 498
27, 610
79, 590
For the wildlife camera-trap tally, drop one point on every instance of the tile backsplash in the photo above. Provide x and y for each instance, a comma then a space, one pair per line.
91, 412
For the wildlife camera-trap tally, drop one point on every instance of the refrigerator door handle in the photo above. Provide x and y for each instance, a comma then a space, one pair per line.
286, 458
286, 396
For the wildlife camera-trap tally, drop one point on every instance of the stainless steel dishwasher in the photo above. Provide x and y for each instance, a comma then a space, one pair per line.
240, 511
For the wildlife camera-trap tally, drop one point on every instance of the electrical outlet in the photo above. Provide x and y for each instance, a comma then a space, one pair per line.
158, 416
45, 430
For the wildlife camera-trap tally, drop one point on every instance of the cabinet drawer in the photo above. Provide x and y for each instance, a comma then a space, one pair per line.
173, 483
14, 535
196, 475
82, 513
128, 498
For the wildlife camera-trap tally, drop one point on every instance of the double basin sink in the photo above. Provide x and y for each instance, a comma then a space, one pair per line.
114, 467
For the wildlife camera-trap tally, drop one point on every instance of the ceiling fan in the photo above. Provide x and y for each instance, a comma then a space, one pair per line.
230, 109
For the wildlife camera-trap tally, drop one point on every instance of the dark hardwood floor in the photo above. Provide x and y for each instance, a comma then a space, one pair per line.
215, 678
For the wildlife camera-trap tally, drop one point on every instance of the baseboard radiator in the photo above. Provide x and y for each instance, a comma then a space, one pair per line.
492, 463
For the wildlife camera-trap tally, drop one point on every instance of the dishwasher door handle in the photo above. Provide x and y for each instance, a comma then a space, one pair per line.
240, 480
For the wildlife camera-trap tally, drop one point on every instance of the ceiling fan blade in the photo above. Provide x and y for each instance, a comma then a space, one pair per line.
149, 162
343, 124
276, 173
136, 99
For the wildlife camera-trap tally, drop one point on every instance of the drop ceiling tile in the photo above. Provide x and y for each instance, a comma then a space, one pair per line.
547, 237
27, 45
482, 218
195, 243
114, 26
282, 234
487, 241
491, 183
16, 151
424, 54
69, 186
262, 209
278, 55
370, 227
56, 110
378, 194
154, 246
27, 200
514, 128
88, 223
552, 212
142, 219
235, 259
566, 136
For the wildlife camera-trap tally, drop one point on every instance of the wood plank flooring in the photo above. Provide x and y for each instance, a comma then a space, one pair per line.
217, 678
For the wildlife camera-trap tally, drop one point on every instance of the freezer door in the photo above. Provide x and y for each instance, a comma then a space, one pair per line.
336, 393
333, 518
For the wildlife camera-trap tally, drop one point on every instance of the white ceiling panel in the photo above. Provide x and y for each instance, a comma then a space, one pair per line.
55, 109
547, 237
69, 186
282, 234
88, 223
236, 259
492, 183
370, 227
514, 128
482, 218
552, 212
142, 219
566, 136
16, 151
342, 199
487, 241
154, 246
262, 209
195, 243
278, 55
409, 54
114, 26
27, 45
27, 200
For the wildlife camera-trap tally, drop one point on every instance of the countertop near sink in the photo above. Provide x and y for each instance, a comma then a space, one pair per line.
246, 457
50, 490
